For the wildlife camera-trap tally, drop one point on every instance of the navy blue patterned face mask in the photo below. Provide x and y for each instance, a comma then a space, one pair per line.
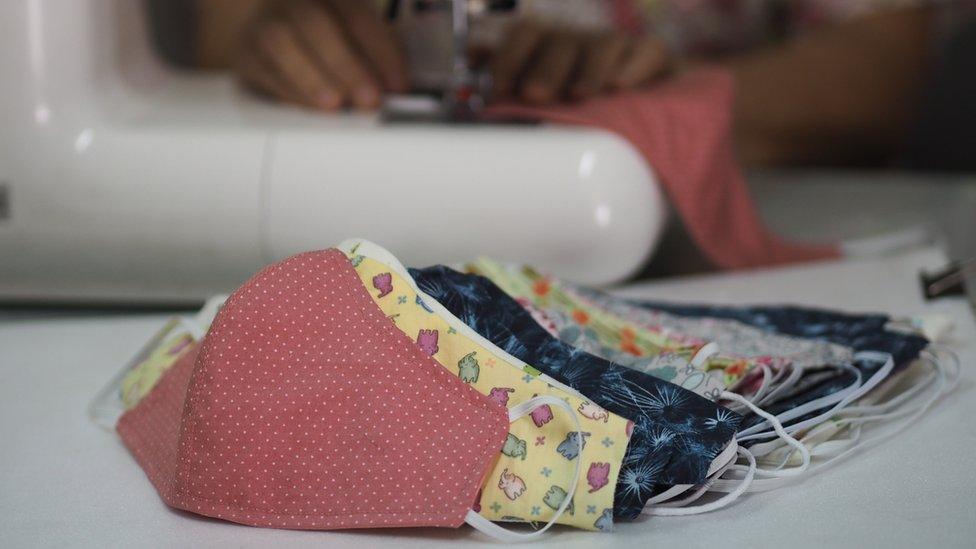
677, 434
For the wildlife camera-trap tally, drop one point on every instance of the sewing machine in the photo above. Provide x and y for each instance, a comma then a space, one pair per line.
122, 178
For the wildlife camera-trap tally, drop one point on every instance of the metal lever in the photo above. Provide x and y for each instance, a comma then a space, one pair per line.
950, 280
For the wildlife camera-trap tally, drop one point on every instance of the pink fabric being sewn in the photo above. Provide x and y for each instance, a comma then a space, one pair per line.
683, 130
305, 407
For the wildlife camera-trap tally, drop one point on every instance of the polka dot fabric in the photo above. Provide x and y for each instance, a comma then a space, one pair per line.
683, 128
305, 407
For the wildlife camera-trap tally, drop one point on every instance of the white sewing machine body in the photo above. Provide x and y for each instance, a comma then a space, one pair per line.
125, 179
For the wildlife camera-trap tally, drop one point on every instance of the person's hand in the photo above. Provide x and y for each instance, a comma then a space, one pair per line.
540, 65
324, 54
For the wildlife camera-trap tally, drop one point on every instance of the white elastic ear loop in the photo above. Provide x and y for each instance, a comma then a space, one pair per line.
717, 504
945, 384
872, 382
703, 488
764, 386
778, 428
794, 375
196, 330
849, 395
767, 378
706, 351
761, 429
720, 463
205, 316
881, 412
893, 402
752, 471
489, 528
763, 449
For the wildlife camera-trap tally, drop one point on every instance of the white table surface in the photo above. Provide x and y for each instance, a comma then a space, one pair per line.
66, 482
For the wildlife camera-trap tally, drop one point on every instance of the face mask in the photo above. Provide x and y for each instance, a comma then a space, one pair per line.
665, 496
533, 473
142, 373
732, 337
677, 434
305, 407
880, 354
857, 331
823, 374
665, 355
175, 342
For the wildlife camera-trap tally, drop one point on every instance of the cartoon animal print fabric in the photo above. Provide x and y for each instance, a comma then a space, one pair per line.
540, 453
305, 407
677, 434
427, 341
656, 351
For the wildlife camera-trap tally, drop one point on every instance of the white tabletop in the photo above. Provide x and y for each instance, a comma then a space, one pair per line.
64, 481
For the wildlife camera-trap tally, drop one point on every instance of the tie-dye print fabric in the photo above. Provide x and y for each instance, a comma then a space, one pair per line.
677, 434
537, 462
658, 352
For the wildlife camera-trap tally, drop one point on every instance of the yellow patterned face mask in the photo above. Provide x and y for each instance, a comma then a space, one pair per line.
537, 462
174, 342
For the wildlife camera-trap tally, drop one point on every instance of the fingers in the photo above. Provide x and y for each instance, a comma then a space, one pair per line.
258, 76
647, 59
321, 32
513, 58
293, 69
376, 41
547, 78
540, 66
602, 55
324, 54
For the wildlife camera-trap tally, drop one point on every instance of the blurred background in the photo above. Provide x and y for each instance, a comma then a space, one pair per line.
157, 152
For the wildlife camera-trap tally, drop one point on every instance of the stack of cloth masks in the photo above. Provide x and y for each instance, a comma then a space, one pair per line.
339, 389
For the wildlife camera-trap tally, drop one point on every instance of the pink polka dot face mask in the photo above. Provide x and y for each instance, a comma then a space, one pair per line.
305, 407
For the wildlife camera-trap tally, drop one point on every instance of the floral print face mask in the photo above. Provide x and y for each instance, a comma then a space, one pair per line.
677, 434
732, 337
865, 334
670, 356
531, 477
860, 332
